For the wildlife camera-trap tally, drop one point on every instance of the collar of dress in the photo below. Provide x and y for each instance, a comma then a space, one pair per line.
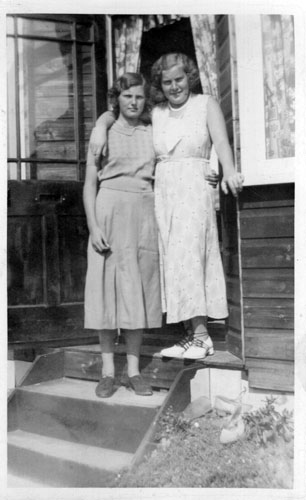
128, 130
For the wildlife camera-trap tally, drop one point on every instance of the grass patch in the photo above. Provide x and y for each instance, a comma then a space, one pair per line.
190, 455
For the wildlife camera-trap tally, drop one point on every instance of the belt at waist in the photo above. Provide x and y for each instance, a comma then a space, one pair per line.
161, 158
125, 183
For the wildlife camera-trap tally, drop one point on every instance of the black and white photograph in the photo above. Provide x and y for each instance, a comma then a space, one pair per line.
152, 261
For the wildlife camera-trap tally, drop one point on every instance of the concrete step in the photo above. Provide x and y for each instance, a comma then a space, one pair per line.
67, 387
15, 481
68, 409
61, 463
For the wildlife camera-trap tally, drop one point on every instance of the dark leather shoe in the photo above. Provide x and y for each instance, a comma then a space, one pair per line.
138, 385
105, 387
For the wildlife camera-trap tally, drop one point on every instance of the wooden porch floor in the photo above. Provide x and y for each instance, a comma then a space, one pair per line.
220, 359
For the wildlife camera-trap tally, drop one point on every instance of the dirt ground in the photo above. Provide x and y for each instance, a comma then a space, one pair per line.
194, 457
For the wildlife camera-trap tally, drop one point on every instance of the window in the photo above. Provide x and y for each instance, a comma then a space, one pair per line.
266, 66
279, 85
51, 97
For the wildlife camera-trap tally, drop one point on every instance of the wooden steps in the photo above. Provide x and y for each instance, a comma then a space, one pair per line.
63, 463
61, 434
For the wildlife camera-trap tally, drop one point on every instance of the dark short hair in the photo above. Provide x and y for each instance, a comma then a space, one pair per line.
124, 82
166, 62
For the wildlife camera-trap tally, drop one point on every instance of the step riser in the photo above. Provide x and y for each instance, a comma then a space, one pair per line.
82, 421
55, 472
46, 367
159, 372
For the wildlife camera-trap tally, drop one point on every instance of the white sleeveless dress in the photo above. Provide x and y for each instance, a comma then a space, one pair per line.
192, 277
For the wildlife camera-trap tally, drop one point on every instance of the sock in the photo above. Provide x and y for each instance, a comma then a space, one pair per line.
201, 335
199, 328
133, 365
108, 367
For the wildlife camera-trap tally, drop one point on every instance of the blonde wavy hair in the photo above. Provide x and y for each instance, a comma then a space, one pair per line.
166, 62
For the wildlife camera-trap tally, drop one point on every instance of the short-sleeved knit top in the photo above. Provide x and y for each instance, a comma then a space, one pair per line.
129, 164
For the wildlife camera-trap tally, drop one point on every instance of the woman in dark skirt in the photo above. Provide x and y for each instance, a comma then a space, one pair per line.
122, 288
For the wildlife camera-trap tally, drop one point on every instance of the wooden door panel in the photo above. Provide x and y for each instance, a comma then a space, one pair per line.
38, 326
73, 238
47, 260
25, 261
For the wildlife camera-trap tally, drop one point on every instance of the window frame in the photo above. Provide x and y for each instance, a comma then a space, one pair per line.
256, 168
79, 162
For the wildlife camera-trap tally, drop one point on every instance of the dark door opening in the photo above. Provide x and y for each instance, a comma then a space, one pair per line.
176, 37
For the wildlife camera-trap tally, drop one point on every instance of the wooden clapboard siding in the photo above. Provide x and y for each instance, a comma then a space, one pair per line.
59, 171
230, 235
265, 283
267, 257
268, 312
267, 253
269, 344
267, 222
271, 374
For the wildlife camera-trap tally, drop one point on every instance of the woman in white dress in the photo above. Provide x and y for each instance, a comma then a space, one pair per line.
184, 127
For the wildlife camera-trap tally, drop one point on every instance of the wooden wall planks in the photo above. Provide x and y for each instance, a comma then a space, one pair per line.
267, 256
266, 282
267, 222
268, 253
269, 344
271, 374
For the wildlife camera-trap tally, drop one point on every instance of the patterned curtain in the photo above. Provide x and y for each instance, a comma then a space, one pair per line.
204, 37
279, 85
127, 32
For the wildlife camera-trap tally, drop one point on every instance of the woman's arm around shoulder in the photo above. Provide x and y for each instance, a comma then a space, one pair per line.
98, 138
106, 119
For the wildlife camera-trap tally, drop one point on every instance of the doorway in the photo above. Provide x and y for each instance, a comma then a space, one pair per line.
176, 37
